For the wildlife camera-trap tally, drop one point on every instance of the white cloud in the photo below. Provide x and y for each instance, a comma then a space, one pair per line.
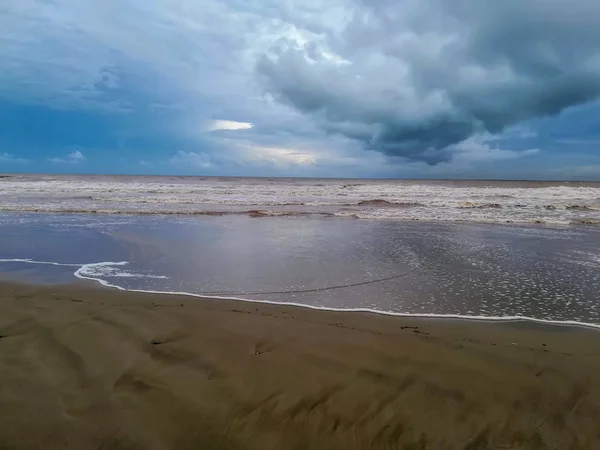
10, 158
515, 132
473, 158
197, 49
243, 156
191, 160
583, 172
75, 157
479, 150
279, 156
228, 125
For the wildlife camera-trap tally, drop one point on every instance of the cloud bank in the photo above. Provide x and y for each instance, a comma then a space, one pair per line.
412, 78
10, 158
313, 87
75, 157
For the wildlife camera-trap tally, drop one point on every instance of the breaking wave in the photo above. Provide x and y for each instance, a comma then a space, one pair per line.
462, 201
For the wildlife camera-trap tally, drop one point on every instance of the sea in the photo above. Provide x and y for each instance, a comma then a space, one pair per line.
491, 250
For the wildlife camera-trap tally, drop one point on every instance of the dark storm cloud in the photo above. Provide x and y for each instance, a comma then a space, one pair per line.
412, 79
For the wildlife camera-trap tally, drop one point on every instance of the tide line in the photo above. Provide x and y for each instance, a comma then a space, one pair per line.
105, 283
32, 261
80, 273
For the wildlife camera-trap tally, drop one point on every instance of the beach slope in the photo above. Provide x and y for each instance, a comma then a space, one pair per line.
83, 367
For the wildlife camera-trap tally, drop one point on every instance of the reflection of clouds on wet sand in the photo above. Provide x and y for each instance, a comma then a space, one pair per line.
397, 267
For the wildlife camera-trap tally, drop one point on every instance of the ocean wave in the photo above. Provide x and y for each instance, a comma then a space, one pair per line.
588, 221
497, 202
479, 214
112, 270
93, 270
378, 215
582, 207
387, 203
267, 213
479, 205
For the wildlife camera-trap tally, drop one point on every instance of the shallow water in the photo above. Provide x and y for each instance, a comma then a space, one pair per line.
547, 273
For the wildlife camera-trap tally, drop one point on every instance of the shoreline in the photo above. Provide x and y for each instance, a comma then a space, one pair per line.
94, 288
95, 283
458, 317
425, 316
98, 282
84, 367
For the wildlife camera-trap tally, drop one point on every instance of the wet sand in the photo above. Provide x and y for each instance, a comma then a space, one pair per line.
84, 367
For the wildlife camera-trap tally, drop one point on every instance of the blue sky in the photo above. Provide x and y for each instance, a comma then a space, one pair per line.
344, 88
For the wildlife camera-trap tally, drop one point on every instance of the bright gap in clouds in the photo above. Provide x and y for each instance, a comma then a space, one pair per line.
281, 156
228, 125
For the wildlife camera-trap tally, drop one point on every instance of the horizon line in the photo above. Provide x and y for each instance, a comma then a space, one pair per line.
521, 180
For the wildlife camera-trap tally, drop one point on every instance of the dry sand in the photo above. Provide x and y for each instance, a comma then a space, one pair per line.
83, 367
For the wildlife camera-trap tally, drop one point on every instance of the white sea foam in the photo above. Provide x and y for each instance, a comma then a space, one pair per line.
90, 272
99, 271
500, 202
95, 272
31, 261
108, 270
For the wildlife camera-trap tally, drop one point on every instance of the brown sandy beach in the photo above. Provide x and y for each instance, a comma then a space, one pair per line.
83, 367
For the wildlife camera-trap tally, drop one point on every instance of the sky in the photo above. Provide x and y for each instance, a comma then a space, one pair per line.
323, 88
